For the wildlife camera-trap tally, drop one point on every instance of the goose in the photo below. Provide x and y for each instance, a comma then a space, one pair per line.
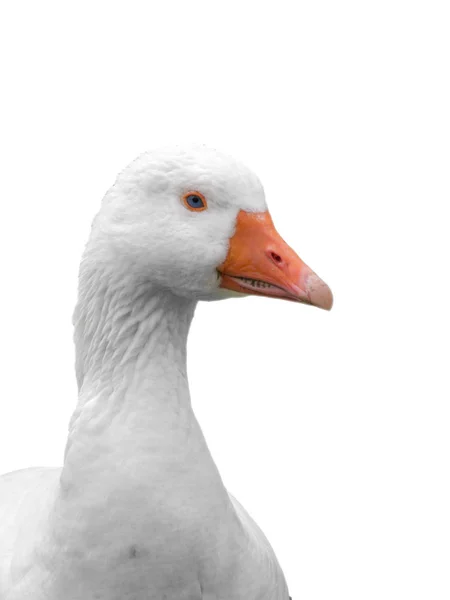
139, 510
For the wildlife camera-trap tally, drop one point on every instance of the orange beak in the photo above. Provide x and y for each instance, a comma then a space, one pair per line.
260, 262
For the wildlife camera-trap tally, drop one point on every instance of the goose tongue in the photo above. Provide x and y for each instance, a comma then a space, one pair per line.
260, 262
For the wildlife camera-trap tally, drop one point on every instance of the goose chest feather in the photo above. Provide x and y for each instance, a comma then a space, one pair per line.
138, 510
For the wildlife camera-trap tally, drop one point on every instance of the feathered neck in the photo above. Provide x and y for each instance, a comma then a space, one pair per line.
136, 460
130, 342
124, 325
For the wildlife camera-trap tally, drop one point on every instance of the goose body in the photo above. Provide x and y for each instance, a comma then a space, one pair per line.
139, 510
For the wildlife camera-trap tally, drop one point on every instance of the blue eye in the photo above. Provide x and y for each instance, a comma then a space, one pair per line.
195, 201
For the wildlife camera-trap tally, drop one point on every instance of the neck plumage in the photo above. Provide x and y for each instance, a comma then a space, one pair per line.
124, 328
137, 475
130, 342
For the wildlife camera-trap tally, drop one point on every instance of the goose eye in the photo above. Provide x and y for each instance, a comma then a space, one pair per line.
195, 201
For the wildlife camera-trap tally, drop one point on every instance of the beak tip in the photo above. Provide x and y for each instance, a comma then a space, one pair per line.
329, 306
319, 293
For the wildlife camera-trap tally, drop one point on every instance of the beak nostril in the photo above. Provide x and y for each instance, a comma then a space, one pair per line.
276, 257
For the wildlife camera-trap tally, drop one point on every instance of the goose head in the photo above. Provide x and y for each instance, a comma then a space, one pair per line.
195, 221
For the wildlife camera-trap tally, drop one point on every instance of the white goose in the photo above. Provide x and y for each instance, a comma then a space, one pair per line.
139, 510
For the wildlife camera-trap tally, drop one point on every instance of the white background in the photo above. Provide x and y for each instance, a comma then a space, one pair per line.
333, 429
